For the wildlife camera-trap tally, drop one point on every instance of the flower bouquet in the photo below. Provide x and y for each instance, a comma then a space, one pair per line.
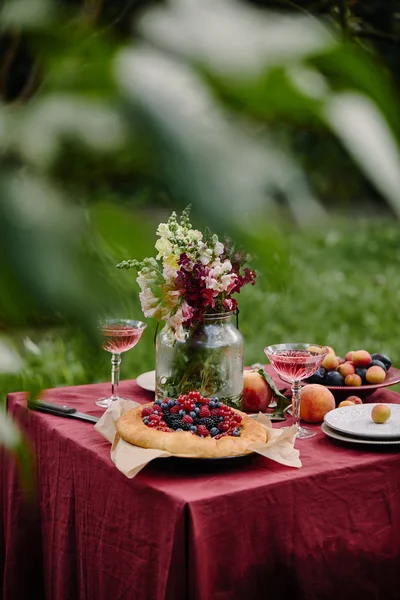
189, 286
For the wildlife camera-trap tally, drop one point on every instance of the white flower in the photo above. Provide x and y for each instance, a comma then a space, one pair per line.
163, 231
169, 274
146, 280
218, 248
194, 235
205, 256
151, 306
164, 248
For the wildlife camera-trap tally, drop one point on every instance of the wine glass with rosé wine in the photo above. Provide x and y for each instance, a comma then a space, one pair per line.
118, 335
293, 363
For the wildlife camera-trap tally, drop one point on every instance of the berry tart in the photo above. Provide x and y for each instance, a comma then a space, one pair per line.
191, 426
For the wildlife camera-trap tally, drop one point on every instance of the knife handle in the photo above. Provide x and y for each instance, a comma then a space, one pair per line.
51, 408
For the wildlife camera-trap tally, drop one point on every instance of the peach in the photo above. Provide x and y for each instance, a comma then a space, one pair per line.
353, 379
361, 358
349, 356
347, 368
346, 403
257, 393
375, 374
355, 399
316, 401
330, 362
380, 413
330, 350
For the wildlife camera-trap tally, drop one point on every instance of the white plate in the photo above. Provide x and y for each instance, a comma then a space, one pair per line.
356, 421
147, 381
355, 440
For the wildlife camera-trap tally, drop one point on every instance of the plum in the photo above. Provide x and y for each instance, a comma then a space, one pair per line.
334, 378
317, 377
378, 363
383, 358
362, 371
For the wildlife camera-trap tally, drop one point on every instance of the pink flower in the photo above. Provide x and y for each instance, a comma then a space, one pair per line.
230, 304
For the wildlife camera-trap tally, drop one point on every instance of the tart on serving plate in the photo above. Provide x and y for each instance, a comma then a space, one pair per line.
191, 426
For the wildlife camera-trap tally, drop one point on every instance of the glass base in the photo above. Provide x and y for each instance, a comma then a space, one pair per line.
303, 433
106, 402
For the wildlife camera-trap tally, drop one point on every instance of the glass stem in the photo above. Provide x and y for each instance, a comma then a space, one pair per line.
115, 362
296, 402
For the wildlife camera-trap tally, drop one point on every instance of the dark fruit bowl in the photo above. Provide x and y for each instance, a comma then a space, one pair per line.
362, 391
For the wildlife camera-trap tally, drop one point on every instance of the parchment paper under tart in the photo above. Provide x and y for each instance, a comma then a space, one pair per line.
275, 444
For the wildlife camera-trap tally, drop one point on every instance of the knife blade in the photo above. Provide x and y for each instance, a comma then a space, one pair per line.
60, 410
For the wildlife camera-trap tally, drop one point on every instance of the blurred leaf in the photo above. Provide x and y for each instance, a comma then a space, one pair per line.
27, 13
10, 361
365, 133
204, 157
40, 238
233, 39
38, 130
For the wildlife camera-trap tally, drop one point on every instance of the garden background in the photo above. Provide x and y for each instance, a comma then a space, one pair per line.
277, 121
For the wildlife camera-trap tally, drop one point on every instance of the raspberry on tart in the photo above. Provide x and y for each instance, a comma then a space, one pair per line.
191, 425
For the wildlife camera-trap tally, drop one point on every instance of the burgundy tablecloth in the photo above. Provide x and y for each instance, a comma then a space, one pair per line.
187, 530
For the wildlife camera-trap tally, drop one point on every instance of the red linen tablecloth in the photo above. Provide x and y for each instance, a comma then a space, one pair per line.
187, 530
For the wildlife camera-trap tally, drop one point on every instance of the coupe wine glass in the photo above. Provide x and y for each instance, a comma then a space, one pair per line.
293, 363
118, 335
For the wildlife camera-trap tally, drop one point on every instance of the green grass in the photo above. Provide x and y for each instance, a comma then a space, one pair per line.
339, 287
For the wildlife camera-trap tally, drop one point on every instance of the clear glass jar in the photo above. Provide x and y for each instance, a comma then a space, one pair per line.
210, 361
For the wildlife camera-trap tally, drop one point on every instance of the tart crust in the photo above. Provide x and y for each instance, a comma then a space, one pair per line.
131, 428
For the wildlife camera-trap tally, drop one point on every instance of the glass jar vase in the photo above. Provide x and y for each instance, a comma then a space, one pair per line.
210, 360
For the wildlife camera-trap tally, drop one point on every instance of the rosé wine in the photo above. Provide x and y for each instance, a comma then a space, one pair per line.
295, 365
294, 362
120, 338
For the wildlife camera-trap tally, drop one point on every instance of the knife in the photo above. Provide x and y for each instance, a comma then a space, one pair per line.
60, 410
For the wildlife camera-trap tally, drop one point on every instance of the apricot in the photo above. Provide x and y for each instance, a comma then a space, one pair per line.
316, 401
375, 375
347, 368
349, 356
330, 362
352, 380
361, 358
346, 403
354, 399
316, 349
330, 350
380, 413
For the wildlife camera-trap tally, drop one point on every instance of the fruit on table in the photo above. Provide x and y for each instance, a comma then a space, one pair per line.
257, 393
346, 403
375, 375
316, 401
380, 413
347, 368
316, 349
383, 358
330, 362
318, 376
352, 371
334, 378
355, 399
378, 363
353, 380
362, 371
361, 358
